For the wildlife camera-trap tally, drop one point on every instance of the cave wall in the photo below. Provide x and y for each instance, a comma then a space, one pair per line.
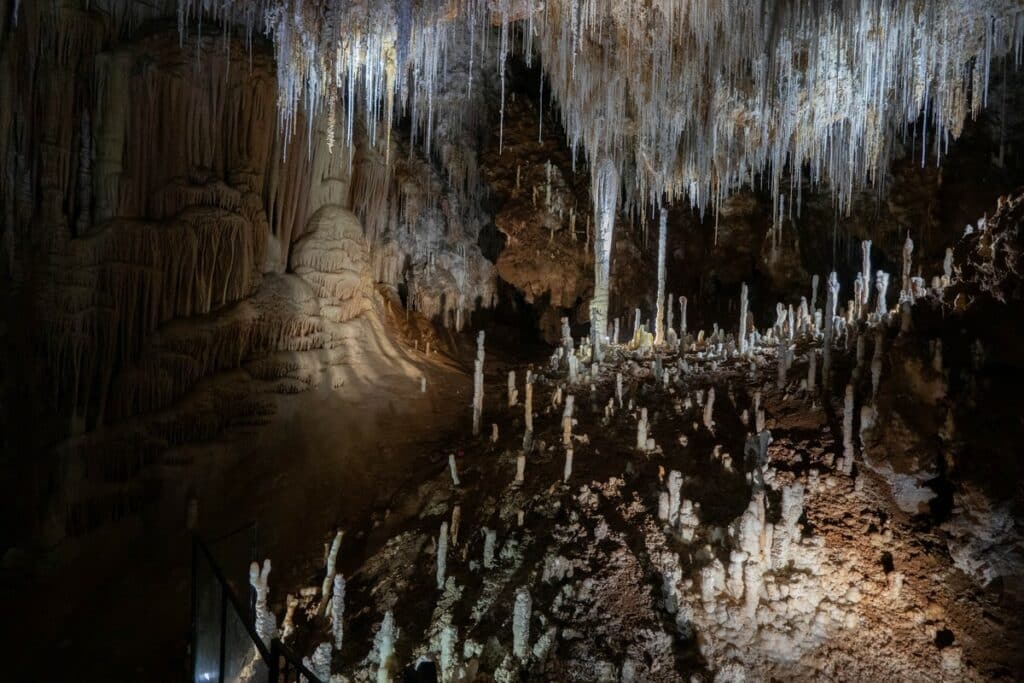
147, 182
168, 254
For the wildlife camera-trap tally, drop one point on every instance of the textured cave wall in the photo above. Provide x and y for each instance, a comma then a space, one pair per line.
164, 246
147, 182
947, 427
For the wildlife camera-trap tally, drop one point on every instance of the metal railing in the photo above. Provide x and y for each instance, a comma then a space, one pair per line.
225, 646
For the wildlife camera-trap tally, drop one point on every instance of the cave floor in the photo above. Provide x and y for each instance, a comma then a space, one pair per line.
592, 551
325, 459
871, 593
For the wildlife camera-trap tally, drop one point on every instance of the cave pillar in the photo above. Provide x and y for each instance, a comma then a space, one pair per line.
605, 196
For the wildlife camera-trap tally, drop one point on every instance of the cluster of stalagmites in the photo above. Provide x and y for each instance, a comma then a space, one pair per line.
763, 593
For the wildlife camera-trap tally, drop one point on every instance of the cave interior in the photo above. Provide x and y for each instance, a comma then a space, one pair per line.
507, 340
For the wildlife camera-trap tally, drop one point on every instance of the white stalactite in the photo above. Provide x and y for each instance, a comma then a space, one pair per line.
478, 383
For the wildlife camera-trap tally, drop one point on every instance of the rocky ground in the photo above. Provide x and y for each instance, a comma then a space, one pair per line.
722, 519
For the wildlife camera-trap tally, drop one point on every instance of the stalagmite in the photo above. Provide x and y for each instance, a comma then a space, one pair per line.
689, 521
682, 317
442, 554
618, 388
494, 432
567, 342
782, 364
881, 285
478, 383
266, 622
449, 638
828, 321
712, 581
567, 420
814, 292
865, 274
641, 431
876, 361
520, 468
456, 523
567, 471
675, 485
812, 367
521, 614
605, 194
490, 536
288, 625
513, 393
330, 561
453, 469
659, 318
320, 663
709, 406
847, 460
858, 297
338, 611
670, 307
574, 365
528, 409
947, 267
742, 337
908, 255
664, 511
384, 644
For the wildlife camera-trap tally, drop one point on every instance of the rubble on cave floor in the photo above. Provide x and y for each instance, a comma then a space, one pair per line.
706, 526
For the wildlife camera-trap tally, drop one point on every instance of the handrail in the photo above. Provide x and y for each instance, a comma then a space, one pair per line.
273, 656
